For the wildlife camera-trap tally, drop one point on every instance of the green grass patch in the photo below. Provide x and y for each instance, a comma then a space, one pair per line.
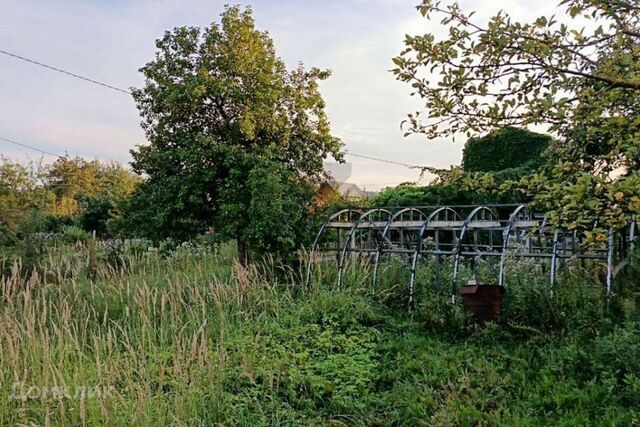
192, 338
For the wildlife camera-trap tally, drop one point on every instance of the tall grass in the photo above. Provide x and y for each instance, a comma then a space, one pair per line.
190, 337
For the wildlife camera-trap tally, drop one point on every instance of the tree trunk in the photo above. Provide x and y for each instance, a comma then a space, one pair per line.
243, 253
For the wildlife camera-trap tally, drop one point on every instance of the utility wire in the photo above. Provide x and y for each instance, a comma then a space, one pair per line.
89, 80
40, 150
65, 157
406, 165
86, 79
30, 147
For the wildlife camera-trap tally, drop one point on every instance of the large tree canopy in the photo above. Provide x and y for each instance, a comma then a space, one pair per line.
220, 109
584, 83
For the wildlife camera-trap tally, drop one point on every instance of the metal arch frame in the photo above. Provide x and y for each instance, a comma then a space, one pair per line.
554, 245
384, 235
608, 258
352, 232
314, 246
553, 270
416, 253
505, 241
467, 221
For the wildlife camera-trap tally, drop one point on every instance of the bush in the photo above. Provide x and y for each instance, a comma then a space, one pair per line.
573, 305
454, 187
56, 224
73, 234
503, 149
95, 215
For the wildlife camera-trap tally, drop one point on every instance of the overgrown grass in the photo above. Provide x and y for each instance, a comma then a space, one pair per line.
191, 338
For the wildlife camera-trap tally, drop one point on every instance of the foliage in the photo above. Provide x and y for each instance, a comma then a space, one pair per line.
62, 192
489, 165
74, 180
193, 338
96, 214
506, 148
72, 234
455, 187
277, 214
38, 199
21, 197
581, 82
219, 107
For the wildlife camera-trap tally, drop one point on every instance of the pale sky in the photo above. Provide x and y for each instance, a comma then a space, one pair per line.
109, 40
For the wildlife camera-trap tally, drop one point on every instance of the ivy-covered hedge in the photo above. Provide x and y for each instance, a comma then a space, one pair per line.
454, 188
489, 163
505, 148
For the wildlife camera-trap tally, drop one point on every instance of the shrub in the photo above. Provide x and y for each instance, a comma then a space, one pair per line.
503, 149
73, 234
95, 215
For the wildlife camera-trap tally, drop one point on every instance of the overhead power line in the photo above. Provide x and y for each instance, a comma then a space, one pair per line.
406, 165
30, 147
43, 151
86, 79
49, 153
121, 90
389, 184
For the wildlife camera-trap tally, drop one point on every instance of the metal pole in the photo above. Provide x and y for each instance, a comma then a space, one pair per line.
351, 240
383, 237
316, 241
554, 257
476, 258
610, 260
632, 240
416, 253
437, 265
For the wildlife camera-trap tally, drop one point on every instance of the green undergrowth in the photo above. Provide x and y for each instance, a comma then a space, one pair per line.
199, 340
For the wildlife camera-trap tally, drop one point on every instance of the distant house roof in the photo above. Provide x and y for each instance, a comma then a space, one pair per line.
329, 189
348, 188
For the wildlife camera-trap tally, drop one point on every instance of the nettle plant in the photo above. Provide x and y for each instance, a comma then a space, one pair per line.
581, 81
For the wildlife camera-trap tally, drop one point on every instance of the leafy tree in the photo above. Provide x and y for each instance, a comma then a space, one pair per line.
21, 197
75, 179
37, 197
506, 148
405, 194
88, 191
277, 214
219, 107
584, 83
116, 181
70, 179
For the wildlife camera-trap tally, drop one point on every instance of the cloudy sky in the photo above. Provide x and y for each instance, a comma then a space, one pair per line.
109, 40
